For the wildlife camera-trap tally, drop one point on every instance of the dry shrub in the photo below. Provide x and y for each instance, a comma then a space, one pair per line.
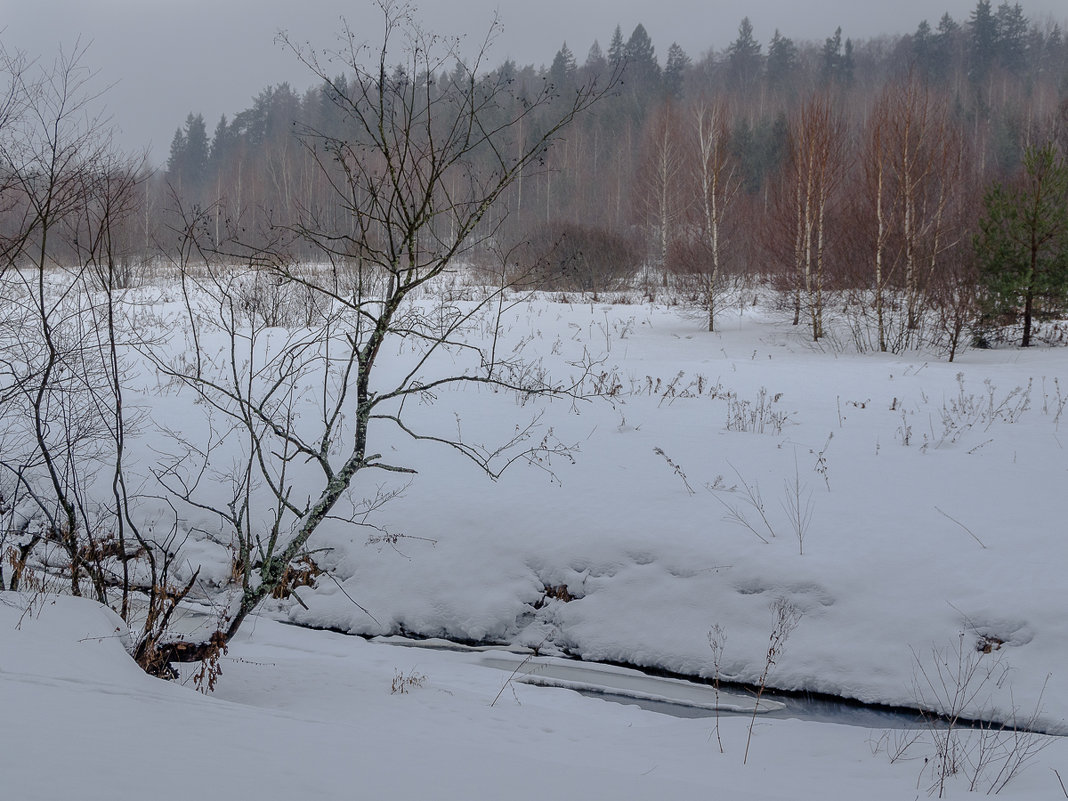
403, 682
569, 257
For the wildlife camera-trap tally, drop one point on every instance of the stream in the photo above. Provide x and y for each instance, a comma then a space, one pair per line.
659, 691
674, 695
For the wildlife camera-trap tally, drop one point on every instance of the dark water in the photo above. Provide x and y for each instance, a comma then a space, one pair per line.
796, 707
818, 707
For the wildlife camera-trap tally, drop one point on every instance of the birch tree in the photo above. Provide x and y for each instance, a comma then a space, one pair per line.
718, 182
661, 187
913, 166
815, 169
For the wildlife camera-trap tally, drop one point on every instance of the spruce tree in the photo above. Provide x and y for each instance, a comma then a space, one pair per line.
831, 57
675, 70
1011, 37
923, 48
187, 165
563, 70
945, 45
983, 34
616, 48
596, 64
782, 59
195, 161
221, 144
847, 64
743, 55
642, 67
176, 160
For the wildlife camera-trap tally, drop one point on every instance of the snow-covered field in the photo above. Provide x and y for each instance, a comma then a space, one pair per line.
302, 714
932, 518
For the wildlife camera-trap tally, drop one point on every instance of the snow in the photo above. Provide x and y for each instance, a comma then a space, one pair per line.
310, 714
888, 576
623, 682
938, 509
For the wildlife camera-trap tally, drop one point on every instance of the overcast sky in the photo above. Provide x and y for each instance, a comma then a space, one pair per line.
169, 57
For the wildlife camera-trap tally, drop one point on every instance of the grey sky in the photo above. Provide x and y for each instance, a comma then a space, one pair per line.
169, 57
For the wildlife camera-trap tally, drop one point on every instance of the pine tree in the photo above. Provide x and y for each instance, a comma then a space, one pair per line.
1053, 61
837, 66
1022, 247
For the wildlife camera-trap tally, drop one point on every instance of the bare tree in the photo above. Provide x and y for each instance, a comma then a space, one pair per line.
72, 204
306, 403
660, 185
877, 174
718, 182
47, 367
13, 102
817, 162
913, 164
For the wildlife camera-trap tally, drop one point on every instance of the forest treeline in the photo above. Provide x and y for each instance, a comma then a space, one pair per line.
860, 167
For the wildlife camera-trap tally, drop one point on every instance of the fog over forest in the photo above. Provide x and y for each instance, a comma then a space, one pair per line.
162, 60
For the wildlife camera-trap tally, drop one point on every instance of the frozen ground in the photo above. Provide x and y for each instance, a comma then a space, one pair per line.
937, 502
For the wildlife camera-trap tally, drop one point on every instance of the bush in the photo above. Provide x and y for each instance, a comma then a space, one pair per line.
568, 257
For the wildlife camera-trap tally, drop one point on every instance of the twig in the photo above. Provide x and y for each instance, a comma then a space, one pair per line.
798, 506
678, 470
787, 616
970, 532
734, 515
716, 639
533, 652
1058, 775
345, 592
